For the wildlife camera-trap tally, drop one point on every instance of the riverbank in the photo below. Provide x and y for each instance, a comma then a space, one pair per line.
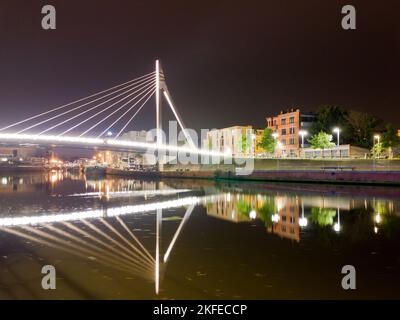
22, 169
306, 176
333, 177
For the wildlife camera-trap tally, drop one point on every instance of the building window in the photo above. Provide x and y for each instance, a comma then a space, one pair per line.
283, 132
291, 141
291, 120
283, 121
283, 141
292, 130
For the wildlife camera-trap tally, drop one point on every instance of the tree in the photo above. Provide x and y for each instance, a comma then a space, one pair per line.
363, 126
377, 150
321, 140
329, 117
390, 139
245, 143
268, 142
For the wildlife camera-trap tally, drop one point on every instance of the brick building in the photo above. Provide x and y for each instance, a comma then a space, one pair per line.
287, 125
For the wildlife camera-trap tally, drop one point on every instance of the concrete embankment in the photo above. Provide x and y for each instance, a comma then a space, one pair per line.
339, 177
351, 171
360, 171
21, 169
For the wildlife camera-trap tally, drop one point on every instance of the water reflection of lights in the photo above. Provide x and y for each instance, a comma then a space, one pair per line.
110, 212
133, 193
275, 218
375, 229
378, 218
337, 226
303, 222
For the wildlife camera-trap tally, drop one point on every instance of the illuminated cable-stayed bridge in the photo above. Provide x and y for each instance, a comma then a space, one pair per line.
88, 121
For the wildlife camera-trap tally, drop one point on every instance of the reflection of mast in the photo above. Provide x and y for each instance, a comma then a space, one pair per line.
158, 236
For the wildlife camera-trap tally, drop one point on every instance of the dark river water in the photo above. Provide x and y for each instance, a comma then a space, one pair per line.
191, 239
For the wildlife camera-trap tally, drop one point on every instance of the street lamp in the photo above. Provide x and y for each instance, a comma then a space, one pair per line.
253, 138
337, 130
302, 133
377, 137
275, 135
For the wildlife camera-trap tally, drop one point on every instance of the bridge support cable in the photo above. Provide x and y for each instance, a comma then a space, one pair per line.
148, 94
115, 111
143, 95
134, 115
142, 90
128, 83
148, 81
178, 118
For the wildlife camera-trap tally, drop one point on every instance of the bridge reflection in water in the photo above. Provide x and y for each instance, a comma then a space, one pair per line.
77, 234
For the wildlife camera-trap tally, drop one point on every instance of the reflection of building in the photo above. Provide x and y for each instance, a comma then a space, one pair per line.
226, 208
279, 214
287, 125
286, 223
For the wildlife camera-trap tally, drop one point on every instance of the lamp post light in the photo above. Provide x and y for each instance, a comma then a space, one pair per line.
377, 137
253, 138
275, 135
337, 131
302, 133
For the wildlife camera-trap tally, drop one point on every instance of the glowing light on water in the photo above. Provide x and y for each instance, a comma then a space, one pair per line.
90, 214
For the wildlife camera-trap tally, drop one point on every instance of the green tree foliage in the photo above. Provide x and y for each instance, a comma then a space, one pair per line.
363, 126
243, 207
321, 140
377, 150
322, 216
329, 117
245, 143
390, 139
266, 211
268, 142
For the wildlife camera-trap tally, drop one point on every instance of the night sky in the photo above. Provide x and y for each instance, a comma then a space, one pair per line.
226, 62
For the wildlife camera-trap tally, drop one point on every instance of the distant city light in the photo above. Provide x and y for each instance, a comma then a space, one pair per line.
337, 131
